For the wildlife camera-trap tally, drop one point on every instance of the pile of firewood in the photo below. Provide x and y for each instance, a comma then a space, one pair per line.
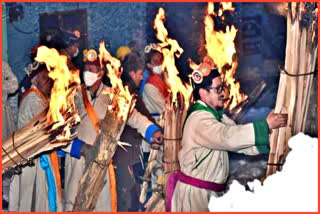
295, 79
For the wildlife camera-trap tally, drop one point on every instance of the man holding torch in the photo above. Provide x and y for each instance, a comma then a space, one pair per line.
208, 135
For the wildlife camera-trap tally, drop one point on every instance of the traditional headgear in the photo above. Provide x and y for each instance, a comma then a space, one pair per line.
91, 57
122, 51
205, 71
32, 69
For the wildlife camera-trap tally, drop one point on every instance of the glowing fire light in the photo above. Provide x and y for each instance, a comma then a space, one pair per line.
174, 82
124, 98
220, 47
62, 98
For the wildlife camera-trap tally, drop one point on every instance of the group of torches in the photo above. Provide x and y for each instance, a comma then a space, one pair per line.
62, 115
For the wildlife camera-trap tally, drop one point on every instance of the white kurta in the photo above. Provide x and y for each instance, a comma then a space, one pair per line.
9, 86
86, 132
28, 191
204, 156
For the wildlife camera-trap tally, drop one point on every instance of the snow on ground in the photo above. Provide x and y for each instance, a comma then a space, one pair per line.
293, 189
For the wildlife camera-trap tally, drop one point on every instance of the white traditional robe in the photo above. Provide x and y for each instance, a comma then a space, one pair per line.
204, 155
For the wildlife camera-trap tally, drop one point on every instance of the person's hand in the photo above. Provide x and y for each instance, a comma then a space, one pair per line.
157, 137
276, 120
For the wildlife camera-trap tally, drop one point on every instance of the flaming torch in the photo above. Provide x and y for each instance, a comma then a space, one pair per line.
221, 48
121, 105
50, 128
176, 106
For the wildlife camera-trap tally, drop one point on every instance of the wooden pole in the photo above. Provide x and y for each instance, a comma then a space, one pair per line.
93, 179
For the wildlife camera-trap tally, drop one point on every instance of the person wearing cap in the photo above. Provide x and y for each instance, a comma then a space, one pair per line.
122, 52
68, 44
208, 135
92, 105
155, 91
38, 187
129, 164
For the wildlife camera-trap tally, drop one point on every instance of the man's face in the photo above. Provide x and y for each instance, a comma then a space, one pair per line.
156, 59
43, 82
137, 76
73, 50
92, 69
215, 96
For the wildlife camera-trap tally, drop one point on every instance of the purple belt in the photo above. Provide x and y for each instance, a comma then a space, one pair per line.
180, 176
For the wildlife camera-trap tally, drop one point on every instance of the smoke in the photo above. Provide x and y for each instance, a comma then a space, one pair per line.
294, 189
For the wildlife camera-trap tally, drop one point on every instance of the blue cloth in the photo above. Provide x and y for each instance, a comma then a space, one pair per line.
76, 148
61, 153
44, 163
143, 81
150, 131
155, 114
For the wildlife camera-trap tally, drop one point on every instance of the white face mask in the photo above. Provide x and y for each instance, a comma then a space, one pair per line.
157, 69
76, 53
90, 78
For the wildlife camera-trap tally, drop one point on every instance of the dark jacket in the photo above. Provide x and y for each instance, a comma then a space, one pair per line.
131, 136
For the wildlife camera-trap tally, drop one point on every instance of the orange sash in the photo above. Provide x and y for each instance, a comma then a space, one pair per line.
113, 187
93, 117
35, 90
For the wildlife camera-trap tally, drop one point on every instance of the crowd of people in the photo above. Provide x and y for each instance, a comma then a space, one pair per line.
52, 182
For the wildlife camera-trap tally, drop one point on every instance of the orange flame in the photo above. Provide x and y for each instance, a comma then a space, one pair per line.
174, 82
124, 98
220, 47
60, 102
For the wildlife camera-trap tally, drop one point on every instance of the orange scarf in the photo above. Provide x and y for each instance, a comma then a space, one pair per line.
159, 84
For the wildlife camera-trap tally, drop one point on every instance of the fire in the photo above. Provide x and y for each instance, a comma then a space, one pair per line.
62, 96
174, 82
124, 98
221, 48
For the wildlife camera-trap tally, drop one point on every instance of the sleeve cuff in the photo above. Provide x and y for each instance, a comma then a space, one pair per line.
76, 148
150, 130
261, 131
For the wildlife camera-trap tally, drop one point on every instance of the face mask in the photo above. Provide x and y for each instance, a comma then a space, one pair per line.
76, 53
90, 78
157, 69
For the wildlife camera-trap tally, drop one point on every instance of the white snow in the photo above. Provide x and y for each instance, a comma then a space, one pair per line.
293, 189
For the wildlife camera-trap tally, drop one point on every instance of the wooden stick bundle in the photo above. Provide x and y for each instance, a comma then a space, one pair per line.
294, 86
151, 161
36, 137
174, 116
93, 179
